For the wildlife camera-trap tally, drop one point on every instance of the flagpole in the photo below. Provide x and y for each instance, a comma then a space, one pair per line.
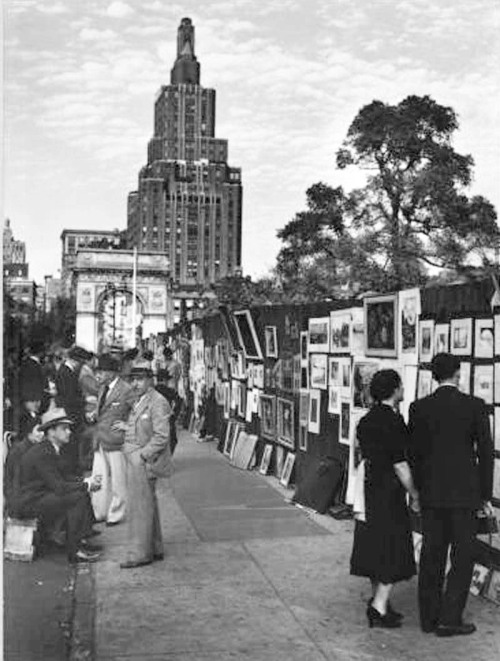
134, 297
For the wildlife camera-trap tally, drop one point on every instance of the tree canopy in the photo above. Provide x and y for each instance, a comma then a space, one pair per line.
412, 218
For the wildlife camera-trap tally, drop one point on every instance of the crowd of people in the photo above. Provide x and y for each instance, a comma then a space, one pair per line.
442, 462
89, 439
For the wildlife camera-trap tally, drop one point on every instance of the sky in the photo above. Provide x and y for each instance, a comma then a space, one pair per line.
81, 78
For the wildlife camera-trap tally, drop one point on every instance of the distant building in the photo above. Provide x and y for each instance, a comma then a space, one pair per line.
15, 271
52, 291
14, 252
75, 240
188, 204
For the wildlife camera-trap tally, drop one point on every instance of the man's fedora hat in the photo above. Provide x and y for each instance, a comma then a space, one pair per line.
79, 353
141, 368
108, 363
54, 417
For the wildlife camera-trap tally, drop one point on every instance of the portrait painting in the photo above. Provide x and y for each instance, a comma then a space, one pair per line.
303, 437
483, 382
409, 302
381, 326
461, 337
286, 422
426, 340
286, 473
268, 416
314, 411
319, 335
266, 459
484, 338
361, 377
247, 334
345, 422
318, 370
441, 338
271, 341
340, 331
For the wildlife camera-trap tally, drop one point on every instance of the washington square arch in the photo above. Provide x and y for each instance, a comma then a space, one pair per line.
106, 284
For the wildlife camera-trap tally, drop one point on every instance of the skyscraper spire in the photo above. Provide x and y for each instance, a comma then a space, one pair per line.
186, 69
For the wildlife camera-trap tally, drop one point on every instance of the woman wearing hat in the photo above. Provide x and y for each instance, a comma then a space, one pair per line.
147, 454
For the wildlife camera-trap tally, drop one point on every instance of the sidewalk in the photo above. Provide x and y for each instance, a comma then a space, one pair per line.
248, 576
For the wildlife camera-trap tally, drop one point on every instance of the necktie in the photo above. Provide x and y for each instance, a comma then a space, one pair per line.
102, 401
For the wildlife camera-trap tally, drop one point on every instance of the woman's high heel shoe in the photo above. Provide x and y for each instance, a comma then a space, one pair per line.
390, 610
376, 619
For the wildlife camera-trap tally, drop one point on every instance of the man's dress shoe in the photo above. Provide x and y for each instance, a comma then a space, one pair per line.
462, 629
129, 564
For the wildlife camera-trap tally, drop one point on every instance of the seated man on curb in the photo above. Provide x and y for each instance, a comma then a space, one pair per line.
47, 492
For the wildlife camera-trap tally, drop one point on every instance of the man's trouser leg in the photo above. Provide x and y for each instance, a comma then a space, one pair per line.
118, 485
432, 565
140, 510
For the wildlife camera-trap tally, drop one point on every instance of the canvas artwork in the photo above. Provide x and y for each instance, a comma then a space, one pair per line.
483, 382
280, 460
334, 373
345, 422
266, 459
268, 416
318, 370
340, 331
484, 338
362, 376
319, 335
426, 340
303, 437
334, 400
424, 383
271, 341
314, 411
286, 474
381, 326
304, 343
410, 306
303, 407
465, 373
286, 422
247, 334
461, 337
441, 338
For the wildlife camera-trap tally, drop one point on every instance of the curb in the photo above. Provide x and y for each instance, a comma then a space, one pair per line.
83, 615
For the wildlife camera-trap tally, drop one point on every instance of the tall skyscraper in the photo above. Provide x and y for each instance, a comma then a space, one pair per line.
188, 202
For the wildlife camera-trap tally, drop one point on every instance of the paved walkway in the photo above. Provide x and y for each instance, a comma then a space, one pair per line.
248, 576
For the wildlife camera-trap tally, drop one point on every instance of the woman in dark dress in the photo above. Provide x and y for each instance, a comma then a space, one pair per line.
383, 547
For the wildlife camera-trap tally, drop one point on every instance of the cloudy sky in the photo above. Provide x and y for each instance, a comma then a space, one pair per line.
81, 78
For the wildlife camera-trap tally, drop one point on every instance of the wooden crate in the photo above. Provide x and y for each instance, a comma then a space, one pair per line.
19, 539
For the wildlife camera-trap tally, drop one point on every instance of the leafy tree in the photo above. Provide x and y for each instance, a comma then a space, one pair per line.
412, 215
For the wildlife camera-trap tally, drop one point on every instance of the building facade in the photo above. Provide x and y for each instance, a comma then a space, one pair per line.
14, 252
188, 204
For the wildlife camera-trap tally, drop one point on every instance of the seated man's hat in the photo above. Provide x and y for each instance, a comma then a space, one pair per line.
54, 417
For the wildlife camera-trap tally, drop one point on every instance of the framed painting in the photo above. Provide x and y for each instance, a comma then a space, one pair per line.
303, 407
304, 377
441, 338
319, 335
496, 429
318, 370
286, 473
362, 374
314, 411
280, 460
247, 335
334, 400
345, 376
465, 372
381, 325
271, 341
232, 432
303, 437
268, 416
409, 304
266, 459
340, 331
304, 343
483, 382
285, 422
426, 340
484, 338
424, 383
461, 337
334, 372
345, 422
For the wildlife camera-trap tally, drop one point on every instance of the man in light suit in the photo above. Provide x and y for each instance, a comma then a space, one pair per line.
147, 454
114, 402
452, 457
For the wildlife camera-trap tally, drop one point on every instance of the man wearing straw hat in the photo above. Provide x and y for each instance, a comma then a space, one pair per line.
47, 492
147, 454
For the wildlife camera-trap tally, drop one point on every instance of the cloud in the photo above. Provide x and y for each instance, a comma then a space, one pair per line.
119, 9
91, 34
58, 8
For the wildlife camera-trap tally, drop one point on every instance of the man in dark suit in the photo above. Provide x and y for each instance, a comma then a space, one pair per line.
47, 492
32, 379
452, 457
70, 398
